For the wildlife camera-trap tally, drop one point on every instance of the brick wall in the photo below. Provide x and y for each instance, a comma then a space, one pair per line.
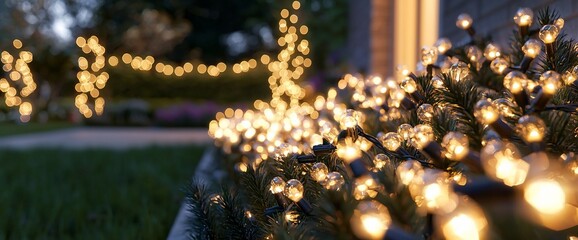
382, 40
358, 41
495, 17
370, 39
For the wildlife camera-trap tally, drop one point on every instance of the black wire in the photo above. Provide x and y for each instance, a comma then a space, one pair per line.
404, 154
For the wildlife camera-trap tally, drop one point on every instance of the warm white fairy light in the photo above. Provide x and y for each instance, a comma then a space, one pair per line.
370, 220
288, 66
21, 85
500, 160
545, 195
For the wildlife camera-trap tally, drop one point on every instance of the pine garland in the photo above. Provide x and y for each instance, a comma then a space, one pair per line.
246, 209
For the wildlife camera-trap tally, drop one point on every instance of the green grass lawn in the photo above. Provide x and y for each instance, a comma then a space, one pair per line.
93, 194
7, 129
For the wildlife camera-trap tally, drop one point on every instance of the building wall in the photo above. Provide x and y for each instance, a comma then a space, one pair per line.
387, 33
495, 17
358, 39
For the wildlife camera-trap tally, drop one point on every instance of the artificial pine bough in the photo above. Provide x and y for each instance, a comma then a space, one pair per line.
481, 144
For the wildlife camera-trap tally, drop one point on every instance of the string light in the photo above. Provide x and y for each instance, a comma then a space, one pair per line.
502, 161
409, 171
459, 71
319, 172
531, 50
370, 220
429, 55
465, 22
334, 181
548, 34
425, 112
488, 114
392, 141
524, 18
545, 195
499, 65
531, 128
456, 216
20, 84
294, 191
277, 187
516, 82
491, 52
291, 62
550, 81
381, 160
405, 131
455, 145
443, 45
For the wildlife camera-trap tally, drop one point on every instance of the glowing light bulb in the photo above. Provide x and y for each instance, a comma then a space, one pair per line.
392, 141
436, 192
505, 106
550, 81
459, 71
294, 190
524, 17
548, 33
443, 45
559, 23
364, 187
437, 82
334, 181
348, 151
409, 85
466, 221
408, 171
464, 21
328, 131
370, 220
282, 151
502, 161
277, 185
397, 94
485, 112
532, 48
461, 227
545, 195
474, 53
364, 144
349, 119
531, 128
491, 52
381, 160
515, 81
498, 65
425, 112
456, 145
319, 172
429, 55
405, 131
422, 135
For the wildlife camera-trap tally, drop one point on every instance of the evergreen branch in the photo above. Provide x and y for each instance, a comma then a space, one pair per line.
256, 189
200, 223
561, 136
234, 219
564, 59
515, 52
547, 16
460, 98
427, 90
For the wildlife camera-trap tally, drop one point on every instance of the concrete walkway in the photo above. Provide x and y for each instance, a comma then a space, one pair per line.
108, 137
